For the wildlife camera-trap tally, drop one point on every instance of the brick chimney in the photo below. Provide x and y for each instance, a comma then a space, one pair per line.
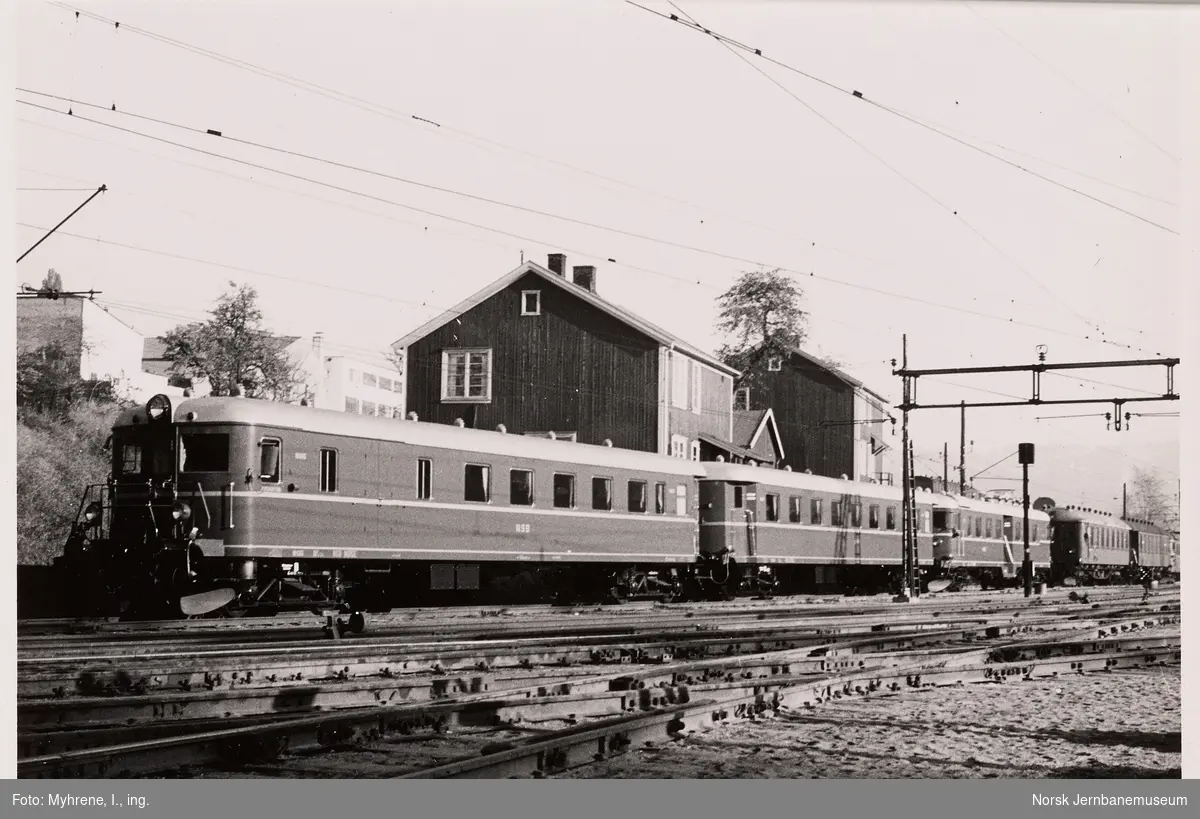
558, 263
585, 277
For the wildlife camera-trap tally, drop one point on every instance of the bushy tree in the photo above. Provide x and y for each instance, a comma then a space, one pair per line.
760, 317
233, 350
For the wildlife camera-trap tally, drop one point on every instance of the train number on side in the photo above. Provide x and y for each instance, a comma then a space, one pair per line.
524, 528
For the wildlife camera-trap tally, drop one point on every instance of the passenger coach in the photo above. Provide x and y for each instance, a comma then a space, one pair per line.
982, 541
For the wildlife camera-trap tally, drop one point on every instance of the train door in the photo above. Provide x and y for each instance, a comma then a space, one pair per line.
750, 513
716, 498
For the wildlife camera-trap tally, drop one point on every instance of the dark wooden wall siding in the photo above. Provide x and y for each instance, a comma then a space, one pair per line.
573, 368
804, 397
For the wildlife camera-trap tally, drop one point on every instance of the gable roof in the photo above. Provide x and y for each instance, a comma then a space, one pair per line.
748, 426
620, 313
840, 374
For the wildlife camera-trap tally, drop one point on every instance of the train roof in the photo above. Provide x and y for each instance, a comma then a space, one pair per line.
250, 411
988, 507
1071, 514
744, 473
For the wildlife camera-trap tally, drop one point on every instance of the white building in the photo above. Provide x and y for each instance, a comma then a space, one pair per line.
874, 457
355, 386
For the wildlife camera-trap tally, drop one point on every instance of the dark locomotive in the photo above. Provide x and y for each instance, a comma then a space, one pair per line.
239, 506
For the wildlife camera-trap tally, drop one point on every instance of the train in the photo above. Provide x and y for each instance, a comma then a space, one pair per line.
235, 506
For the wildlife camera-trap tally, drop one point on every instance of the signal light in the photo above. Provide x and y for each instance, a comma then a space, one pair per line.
91, 514
181, 511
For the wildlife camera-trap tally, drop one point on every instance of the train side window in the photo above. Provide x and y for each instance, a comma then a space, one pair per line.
835, 513
520, 487
681, 500
856, 515
873, 516
477, 483
978, 526
737, 497
891, 517
925, 521
795, 509
424, 478
987, 524
817, 513
269, 460
637, 496
772, 507
204, 453
602, 494
329, 476
660, 498
564, 491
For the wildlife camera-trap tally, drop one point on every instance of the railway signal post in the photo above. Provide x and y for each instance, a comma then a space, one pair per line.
1025, 456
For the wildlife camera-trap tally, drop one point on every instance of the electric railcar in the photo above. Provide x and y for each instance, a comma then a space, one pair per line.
1097, 547
983, 541
273, 506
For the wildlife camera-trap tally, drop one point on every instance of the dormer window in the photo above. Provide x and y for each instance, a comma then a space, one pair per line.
741, 399
774, 364
531, 302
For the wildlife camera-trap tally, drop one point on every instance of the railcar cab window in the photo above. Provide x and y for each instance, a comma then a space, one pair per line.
795, 509
520, 487
329, 475
477, 483
660, 498
203, 453
131, 459
637, 496
873, 516
817, 511
856, 515
891, 517
835, 513
772, 507
738, 494
269, 468
564, 491
602, 494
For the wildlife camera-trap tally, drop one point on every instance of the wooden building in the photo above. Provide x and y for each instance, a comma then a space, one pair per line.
544, 355
828, 422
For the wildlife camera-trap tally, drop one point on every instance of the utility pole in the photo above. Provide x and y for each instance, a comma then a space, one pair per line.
1124, 501
905, 484
1025, 455
962, 451
946, 467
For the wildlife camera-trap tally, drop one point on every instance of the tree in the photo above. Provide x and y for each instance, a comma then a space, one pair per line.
1150, 499
760, 317
233, 350
52, 283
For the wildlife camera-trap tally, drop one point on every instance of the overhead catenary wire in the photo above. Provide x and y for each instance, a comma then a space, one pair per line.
810, 274
729, 45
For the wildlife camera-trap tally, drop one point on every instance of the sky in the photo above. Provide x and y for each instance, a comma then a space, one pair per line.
603, 113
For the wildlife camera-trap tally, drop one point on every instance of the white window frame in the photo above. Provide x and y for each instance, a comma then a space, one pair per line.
486, 398
697, 393
745, 405
774, 364
679, 381
695, 451
537, 310
679, 444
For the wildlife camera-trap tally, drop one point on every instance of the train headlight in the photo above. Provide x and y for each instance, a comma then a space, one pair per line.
181, 511
91, 515
158, 407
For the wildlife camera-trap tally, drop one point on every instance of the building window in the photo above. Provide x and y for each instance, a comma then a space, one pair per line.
467, 375
424, 479
637, 496
774, 364
602, 494
741, 399
329, 476
696, 391
679, 446
531, 302
816, 511
660, 498
695, 450
269, 460
795, 509
564, 491
368, 407
520, 487
385, 384
679, 381
353, 376
369, 380
772, 507
873, 516
352, 405
477, 483
397, 386
385, 411
891, 517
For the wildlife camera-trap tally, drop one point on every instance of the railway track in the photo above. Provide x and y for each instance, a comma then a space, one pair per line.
620, 687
